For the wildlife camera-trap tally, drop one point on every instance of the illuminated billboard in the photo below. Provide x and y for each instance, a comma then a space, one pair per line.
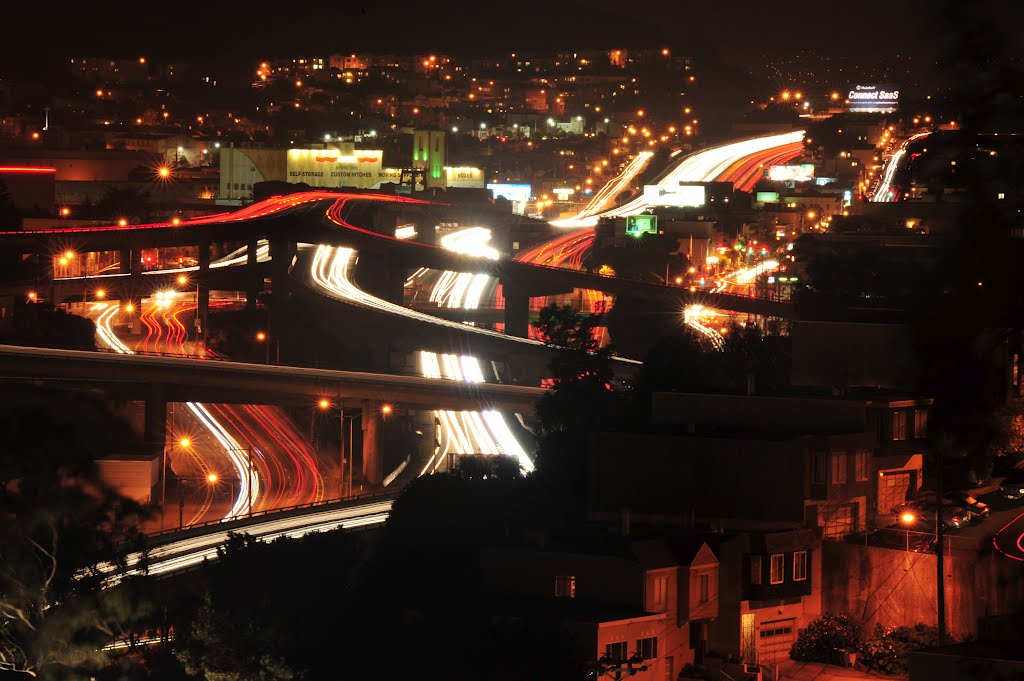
638, 225
684, 195
884, 98
513, 192
465, 177
767, 197
333, 168
791, 173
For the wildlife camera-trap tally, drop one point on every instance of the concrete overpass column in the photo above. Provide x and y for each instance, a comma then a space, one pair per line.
155, 419
281, 257
125, 257
253, 288
517, 311
373, 459
203, 292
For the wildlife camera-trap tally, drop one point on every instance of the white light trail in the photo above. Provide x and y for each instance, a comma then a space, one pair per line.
232, 449
703, 166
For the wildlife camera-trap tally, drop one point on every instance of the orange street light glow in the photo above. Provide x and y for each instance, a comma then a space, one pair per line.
907, 517
211, 478
185, 442
261, 336
386, 409
324, 404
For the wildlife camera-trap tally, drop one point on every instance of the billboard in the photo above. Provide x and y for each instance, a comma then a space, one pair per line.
465, 177
684, 195
332, 168
791, 173
512, 192
766, 197
638, 225
880, 98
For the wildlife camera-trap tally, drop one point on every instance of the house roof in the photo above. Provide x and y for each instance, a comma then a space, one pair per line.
661, 553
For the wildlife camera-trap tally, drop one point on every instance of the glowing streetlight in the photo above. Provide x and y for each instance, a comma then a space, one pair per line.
386, 409
185, 442
65, 211
122, 222
69, 255
211, 478
129, 308
175, 221
324, 404
164, 171
261, 336
32, 296
101, 294
182, 279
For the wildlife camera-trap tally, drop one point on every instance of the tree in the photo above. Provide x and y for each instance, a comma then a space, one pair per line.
10, 217
823, 636
581, 398
58, 524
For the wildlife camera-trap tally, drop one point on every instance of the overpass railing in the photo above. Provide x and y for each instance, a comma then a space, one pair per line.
242, 520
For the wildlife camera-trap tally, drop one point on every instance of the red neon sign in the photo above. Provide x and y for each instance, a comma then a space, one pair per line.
26, 169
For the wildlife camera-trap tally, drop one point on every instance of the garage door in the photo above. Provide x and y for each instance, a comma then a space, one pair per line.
892, 490
774, 639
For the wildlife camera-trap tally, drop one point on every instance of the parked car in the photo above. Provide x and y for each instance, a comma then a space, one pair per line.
978, 509
1013, 484
923, 512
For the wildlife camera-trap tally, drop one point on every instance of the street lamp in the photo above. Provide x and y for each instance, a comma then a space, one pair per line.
907, 519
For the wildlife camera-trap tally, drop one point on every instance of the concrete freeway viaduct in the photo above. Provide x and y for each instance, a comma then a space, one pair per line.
365, 222
159, 380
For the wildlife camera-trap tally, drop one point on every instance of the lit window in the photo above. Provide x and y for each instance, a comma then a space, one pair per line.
778, 568
755, 569
799, 566
565, 586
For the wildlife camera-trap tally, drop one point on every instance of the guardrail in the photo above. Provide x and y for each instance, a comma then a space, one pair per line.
265, 512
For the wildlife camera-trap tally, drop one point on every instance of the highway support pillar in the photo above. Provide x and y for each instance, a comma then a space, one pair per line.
281, 252
517, 311
155, 419
373, 463
203, 294
125, 260
252, 275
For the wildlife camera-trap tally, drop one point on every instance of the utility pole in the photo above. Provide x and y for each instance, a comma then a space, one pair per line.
940, 566
618, 669
341, 448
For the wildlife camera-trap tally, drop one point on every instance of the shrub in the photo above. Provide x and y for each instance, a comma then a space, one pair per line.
824, 635
886, 650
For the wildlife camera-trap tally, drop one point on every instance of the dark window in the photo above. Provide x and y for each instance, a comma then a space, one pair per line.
920, 424
799, 566
778, 569
838, 468
647, 648
616, 651
863, 465
899, 424
703, 588
565, 586
819, 466
755, 569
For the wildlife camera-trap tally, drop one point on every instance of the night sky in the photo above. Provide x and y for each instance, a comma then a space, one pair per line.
738, 31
